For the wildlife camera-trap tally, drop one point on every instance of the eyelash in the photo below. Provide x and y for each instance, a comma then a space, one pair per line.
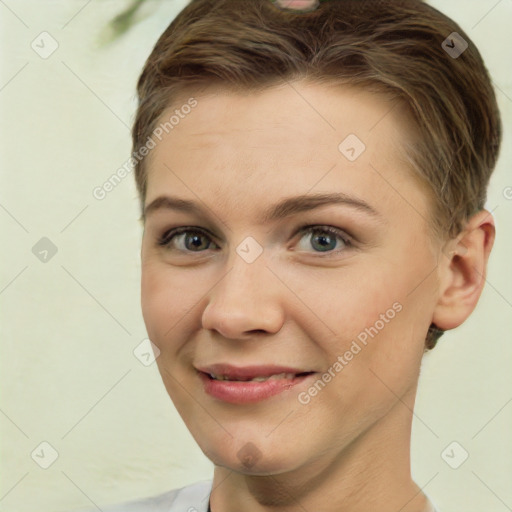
166, 239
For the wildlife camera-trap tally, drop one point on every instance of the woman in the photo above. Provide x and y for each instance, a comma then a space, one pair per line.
312, 178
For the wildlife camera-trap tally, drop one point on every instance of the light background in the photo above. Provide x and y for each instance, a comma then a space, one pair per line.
69, 326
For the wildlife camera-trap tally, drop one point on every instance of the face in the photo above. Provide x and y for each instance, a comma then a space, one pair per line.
336, 289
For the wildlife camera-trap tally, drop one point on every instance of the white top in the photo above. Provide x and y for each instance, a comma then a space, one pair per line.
192, 498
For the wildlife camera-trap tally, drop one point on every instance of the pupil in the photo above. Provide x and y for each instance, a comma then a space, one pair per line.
196, 241
323, 239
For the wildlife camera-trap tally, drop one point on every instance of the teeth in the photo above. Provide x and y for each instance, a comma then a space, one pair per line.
256, 379
259, 379
282, 376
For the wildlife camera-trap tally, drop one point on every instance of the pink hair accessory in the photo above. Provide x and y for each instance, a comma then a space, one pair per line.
298, 5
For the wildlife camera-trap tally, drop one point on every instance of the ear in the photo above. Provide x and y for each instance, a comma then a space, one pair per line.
463, 270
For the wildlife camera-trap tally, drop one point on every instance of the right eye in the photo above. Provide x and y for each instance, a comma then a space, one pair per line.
185, 239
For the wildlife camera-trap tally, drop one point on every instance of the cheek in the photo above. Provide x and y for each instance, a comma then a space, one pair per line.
349, 300
380, 347
171, 303
379, 311
384, 323
152, 300
160, 302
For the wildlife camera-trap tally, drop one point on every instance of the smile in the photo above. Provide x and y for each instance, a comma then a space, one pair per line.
250, 384
256, 379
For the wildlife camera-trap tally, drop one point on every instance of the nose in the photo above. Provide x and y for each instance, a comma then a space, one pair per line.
246, 300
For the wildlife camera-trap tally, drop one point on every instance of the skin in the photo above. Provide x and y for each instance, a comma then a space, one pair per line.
236, 155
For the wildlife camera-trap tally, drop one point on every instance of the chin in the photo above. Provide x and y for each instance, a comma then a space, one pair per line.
258, 457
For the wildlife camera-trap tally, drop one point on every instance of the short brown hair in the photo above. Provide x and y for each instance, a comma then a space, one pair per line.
388, 46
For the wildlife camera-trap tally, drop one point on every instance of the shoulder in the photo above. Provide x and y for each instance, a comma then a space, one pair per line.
191, 498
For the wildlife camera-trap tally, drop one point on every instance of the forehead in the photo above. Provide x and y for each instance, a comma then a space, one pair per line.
319, 112
293, 137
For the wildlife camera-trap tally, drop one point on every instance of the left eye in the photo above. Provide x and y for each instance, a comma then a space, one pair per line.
324, 238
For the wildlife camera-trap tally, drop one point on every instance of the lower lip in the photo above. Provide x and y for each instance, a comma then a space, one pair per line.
245, 392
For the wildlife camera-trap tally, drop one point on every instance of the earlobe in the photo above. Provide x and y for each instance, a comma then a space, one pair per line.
463, 267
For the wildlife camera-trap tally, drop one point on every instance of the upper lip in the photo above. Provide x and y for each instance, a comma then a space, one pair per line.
249, 372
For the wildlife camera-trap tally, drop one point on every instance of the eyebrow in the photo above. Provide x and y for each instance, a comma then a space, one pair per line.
285, 208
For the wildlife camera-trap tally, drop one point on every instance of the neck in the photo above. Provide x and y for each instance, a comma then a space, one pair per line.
371, 473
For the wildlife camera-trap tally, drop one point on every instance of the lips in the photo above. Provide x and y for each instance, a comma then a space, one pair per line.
251, 384
256, 373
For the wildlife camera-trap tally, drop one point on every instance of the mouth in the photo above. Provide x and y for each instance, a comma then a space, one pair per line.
255, 373
261, 378
250, 384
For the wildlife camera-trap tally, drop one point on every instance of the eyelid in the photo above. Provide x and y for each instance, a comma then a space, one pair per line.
342, 233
